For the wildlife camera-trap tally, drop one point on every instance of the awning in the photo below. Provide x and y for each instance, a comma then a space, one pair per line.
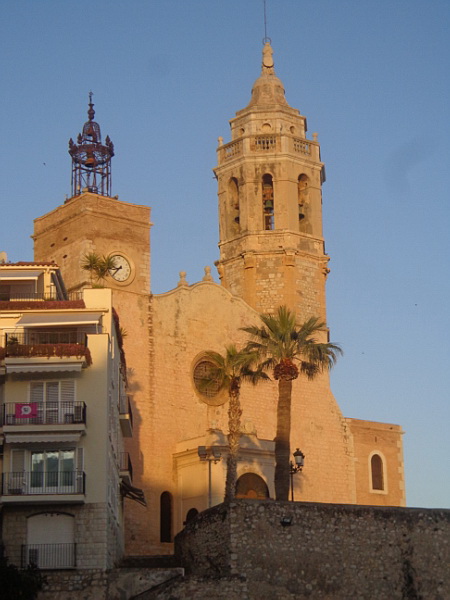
7, 275
134, 493
55, 319
47, 367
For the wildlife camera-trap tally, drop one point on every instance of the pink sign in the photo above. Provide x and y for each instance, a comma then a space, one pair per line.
26, 411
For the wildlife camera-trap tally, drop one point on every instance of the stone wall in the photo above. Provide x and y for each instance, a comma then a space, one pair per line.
285, 550
94, 584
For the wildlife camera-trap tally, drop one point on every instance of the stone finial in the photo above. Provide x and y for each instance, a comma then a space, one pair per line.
315, 136
267, 60
182, 279
207, 276
220, 140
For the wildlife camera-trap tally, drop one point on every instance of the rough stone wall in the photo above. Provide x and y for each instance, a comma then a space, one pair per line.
118, 584
332, 552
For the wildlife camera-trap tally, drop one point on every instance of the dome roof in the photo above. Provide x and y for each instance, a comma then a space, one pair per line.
267, 89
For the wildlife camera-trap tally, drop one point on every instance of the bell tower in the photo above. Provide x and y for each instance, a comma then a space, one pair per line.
270, 204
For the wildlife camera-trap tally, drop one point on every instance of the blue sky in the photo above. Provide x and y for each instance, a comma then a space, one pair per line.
372, 78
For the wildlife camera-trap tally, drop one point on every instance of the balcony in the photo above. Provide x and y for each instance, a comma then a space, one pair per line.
126, 467
42, 351
7, 296
49, 556
35, 300
126, 416
43, 486
37, 414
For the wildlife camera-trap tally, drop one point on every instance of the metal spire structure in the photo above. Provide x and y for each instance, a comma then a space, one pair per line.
91, 160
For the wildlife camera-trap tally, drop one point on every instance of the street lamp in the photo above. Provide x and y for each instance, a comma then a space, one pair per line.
212, 455
295, 467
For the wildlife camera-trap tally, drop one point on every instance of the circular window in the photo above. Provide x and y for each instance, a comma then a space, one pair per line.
206, 384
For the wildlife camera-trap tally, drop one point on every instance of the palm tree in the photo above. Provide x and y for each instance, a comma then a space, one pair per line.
227, 371
279, 342
98, 266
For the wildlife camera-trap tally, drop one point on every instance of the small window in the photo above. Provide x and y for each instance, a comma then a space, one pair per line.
377, 475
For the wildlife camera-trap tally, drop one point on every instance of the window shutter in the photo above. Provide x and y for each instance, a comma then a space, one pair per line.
79, 459
37, 391
79, 471
67, 390
52, 389
17, 461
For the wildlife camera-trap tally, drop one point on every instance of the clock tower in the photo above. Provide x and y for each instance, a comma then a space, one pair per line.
92, 222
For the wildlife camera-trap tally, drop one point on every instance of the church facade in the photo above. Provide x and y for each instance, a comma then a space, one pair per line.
271, 253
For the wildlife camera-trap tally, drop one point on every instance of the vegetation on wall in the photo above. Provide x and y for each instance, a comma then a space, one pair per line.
19, 584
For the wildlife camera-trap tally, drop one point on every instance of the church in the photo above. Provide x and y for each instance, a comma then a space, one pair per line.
269, 178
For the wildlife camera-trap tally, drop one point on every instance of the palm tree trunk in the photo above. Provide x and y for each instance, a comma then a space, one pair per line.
234, 426
282, 440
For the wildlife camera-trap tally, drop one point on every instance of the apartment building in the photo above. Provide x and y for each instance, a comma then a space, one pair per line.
64, 413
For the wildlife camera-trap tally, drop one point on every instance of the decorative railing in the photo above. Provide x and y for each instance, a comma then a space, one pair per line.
232, 149
302, 146
7, 296
264, 143
49, 556
47, 344
125, 408
43, 413
31, 483
125, 463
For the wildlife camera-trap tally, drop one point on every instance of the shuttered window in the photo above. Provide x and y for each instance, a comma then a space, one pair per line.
52, 391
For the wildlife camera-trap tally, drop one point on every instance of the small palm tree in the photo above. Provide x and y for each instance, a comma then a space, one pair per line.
281, 342
98, 266
227, 372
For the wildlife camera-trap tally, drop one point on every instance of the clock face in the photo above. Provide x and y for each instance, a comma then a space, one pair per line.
122, 271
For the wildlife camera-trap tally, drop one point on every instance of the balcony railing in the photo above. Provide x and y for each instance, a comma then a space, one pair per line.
57, 343
38, 338
26, 483
49, 556
43, 413
126, 464
7, 296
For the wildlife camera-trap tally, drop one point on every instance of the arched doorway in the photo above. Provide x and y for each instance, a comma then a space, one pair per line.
191, 514
251, 485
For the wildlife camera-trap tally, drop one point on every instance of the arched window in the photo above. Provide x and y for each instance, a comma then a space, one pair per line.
251, 485
166, 517
377, 473
302, 193
233, 194
268, 202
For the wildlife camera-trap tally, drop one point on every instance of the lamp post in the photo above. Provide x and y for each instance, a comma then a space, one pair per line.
212, 455
295, 467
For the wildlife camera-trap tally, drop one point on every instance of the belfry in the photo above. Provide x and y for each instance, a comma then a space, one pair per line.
270, 204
